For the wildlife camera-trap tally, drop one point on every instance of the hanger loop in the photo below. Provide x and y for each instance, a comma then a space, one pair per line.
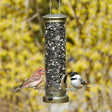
51, 7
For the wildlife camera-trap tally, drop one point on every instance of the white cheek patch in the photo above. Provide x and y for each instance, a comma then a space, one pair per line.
76, 83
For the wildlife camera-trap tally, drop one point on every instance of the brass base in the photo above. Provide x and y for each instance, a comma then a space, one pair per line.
49, 99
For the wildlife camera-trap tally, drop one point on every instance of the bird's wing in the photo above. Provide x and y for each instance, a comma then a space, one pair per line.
31, 79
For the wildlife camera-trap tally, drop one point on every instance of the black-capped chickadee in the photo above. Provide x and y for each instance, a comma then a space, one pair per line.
76, 81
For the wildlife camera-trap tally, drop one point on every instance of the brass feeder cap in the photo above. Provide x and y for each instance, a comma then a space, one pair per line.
55, 18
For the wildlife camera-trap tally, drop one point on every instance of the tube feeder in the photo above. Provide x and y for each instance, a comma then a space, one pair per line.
55, 59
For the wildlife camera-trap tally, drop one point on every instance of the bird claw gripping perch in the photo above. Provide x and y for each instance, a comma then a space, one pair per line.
87, 86
71, 89
39, 88
36, 87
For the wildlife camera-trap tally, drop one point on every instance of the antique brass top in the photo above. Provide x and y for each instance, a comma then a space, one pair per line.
55, 18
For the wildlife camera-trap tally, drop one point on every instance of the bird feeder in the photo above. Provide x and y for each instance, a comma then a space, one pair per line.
55, 59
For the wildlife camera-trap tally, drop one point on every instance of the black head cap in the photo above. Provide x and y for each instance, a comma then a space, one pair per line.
73, 73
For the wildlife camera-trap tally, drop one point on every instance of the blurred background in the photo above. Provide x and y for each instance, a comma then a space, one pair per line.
89, 52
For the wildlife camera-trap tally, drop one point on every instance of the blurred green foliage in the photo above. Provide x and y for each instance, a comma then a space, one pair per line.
89, 51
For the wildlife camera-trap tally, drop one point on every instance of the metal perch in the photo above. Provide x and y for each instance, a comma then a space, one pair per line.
67, 89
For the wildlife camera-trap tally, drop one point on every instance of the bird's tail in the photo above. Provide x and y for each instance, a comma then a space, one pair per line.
86, 86
16, 89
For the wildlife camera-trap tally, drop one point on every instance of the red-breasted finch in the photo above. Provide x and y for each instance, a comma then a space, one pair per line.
34, 80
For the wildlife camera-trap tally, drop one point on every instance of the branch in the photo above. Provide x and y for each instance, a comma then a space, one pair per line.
70, 6
30, 19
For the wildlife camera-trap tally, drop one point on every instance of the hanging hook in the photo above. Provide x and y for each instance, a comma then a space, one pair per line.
50, 7
59, 6
50, 11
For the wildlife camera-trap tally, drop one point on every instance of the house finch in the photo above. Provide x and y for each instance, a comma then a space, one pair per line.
34, 80
76, 81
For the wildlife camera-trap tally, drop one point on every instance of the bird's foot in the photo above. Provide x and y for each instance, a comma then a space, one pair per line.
36, 87
87, 86
71, 89
39, 87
